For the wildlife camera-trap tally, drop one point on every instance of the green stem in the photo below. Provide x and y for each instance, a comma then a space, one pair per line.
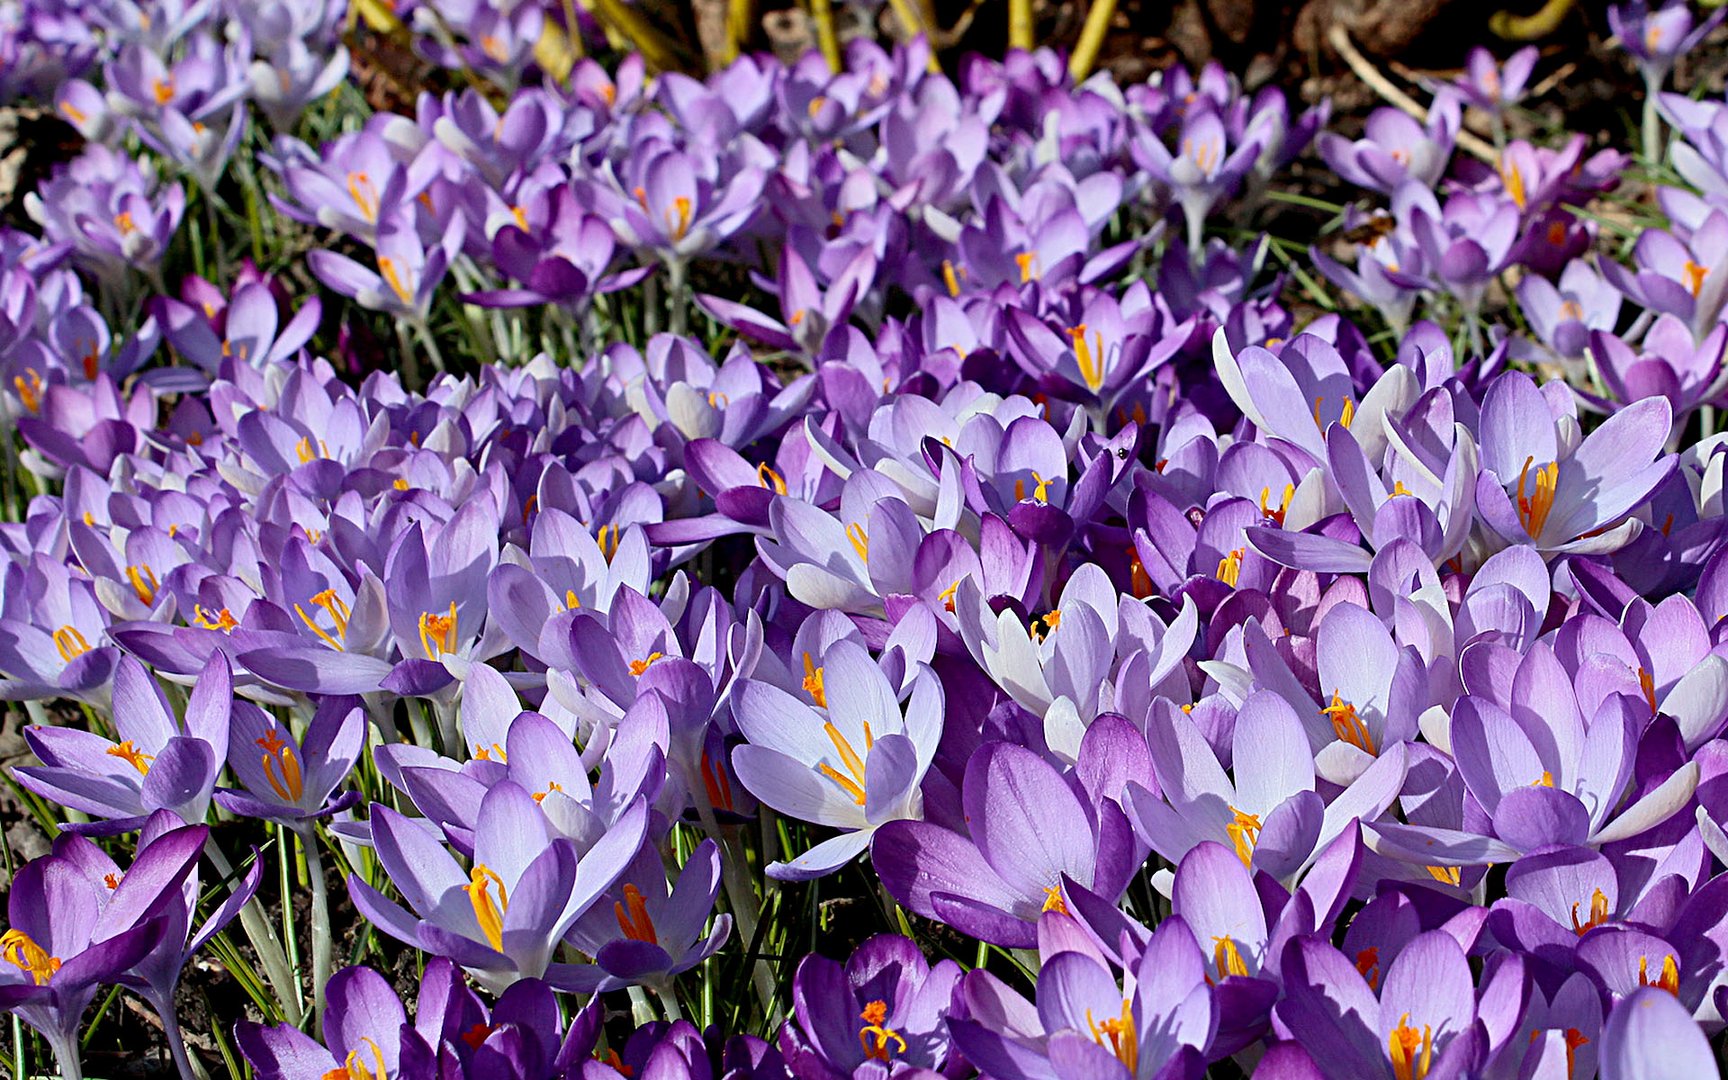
678, 296
263, 938
323, 945
1652, 121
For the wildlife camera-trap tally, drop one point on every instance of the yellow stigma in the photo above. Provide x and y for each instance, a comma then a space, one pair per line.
31, 958
1647, 683
365, 195
162, 90
404, 289
281, 766
679, 224
438, 632
70, 643
1276, 513
1349, 727
1368, 966
29, 388
607, 538
1514, 181
860, 540
132, 756
637, 667
875, 1035
1230, 568
1089, 358
144, 584
1446, 875
1695, 276
338, 611
852, 784
633, 917
1412, 1054
1598, 914
1227, 957
1024, 262
222, 619
1053, 900
1118, 1035
770, 479
1345, 415
356, 1067
813, 683
1244, 832
950, 278
1533, 509
1668, 980
489, 914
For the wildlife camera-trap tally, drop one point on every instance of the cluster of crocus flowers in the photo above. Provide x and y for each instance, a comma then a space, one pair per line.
1284, 695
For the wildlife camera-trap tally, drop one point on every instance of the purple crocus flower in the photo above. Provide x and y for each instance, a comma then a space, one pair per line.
366, 1033
158, 764
855, 766
1030, 833
502, 919
62, 943
1204, 170
408, 270
1534, 491
559, 252
649, 935
1396, 147
1667, 363
1658, 38
1420, 1020
1651, 1035
1489, 85
288, 779
886, 1004
1686, 277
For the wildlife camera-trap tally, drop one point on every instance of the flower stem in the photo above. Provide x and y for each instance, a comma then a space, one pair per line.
172, 1034
323, 945
269, 949
1652, 121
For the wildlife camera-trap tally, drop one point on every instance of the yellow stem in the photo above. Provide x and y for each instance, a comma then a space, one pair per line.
1020, 24
822, 14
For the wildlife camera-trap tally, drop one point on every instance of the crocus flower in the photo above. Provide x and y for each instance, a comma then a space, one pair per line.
408, 270
649, 935
523, 893
885, 1004
61, 945
158, 764
854, 766
288, 779
1395, 147
366, 1033
1487, 84
1657, 38
1030, 833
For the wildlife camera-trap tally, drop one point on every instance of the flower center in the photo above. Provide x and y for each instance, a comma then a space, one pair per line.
1514, 180
29, 387
1053, 900
860, 540
813, 683
1412, 1054
1277, 513
222, 619
487, 912
356, 1067
1533, 509
1368, 965
1349, 727
1227, 957
853, 784
1118, 1035
365, 195
770, 479
637, 667
132, 756
1230, 567
1090, 358
339, 612
1668, 980
678, 218
717, 783
1598, 914
31, 958
1695, 276
1346, 414
70, 642
438, 632
402, 288
281, 766
1244, 833
162, 90
144, 584
875, 1035
633, 918
1024, 262
1647, 683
